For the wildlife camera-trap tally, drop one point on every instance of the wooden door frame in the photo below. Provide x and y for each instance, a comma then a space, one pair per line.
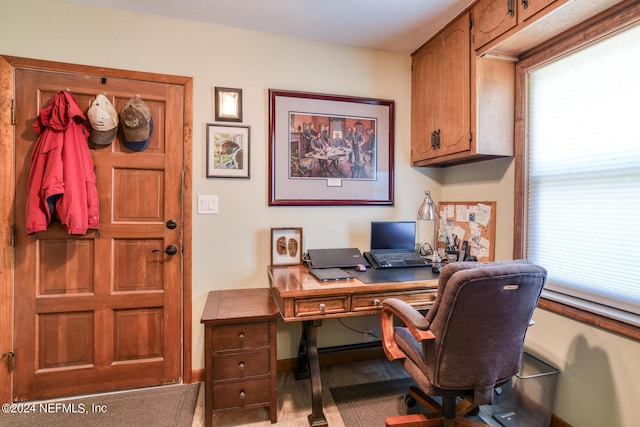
8, 64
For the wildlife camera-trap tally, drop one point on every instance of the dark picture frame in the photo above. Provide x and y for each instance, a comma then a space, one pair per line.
228, 104
330, 150
228, 151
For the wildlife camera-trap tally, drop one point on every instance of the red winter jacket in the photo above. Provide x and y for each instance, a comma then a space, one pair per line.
62, 175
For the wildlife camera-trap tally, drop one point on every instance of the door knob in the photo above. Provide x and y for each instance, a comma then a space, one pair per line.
170, 250
171, 224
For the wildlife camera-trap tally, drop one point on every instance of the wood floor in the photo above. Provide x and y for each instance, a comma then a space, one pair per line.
294, 397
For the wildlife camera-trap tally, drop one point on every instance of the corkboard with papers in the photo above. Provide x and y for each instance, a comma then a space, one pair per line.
474, 222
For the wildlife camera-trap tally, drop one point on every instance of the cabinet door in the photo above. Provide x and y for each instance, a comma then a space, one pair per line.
455, 86
492, 18
424, 101
528, 8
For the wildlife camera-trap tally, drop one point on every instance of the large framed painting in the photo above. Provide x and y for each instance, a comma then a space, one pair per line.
329, 150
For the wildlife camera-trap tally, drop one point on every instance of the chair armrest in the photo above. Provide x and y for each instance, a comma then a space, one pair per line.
412, 319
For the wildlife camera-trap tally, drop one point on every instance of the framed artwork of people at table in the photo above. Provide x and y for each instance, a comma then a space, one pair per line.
330, 150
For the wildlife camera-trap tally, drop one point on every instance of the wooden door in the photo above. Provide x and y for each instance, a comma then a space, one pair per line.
424, 101
455, 88
95, 314
528, 8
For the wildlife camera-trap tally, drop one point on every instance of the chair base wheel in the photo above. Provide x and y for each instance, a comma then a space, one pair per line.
410, 401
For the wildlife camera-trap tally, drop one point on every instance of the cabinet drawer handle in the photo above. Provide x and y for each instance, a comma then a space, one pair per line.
322, 307
241, 337
241, 366
376, 302
243, 395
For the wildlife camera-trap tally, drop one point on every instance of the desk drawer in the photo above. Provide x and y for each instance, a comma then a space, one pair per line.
239, 394
240, 365
238, 336
373, 301
320, 306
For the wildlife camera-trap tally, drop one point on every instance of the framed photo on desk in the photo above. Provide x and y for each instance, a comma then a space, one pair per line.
286, 246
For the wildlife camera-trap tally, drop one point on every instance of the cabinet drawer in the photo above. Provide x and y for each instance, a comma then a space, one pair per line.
374, 301
242, 393
246, 335
320, 306
240, 365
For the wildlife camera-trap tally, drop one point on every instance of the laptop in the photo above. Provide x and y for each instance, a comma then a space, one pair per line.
393, 244
335, 258
327, 274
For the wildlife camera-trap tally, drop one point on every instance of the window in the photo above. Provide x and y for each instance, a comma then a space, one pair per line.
579, 168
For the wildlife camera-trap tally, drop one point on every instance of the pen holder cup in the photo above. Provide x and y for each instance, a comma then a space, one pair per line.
452, 256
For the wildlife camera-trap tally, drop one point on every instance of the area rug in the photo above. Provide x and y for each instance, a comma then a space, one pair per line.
367, 405
165, 406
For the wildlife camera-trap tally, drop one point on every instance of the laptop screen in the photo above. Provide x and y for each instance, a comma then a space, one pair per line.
395, 235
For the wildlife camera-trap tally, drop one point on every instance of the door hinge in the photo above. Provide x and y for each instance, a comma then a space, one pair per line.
13, 236
13, 112
10, 356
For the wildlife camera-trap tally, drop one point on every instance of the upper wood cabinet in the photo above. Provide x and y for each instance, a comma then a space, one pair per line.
440, 108
510, 28
492, 18
461, 106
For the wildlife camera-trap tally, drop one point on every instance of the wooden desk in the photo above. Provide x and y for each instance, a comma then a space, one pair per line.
302, 298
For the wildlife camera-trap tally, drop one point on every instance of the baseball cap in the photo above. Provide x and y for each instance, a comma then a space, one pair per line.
103, 120
137, 124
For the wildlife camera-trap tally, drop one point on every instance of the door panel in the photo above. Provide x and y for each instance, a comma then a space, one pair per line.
95, 314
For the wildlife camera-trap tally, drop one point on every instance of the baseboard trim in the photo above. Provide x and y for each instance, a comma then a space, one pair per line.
334, 355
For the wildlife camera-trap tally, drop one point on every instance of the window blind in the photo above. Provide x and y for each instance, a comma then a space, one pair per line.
583, 166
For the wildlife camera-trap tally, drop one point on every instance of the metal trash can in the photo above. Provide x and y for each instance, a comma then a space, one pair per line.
527, 399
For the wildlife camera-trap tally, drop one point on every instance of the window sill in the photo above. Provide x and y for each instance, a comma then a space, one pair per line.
592, 319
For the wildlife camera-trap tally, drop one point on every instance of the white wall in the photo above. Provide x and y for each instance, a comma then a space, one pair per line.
599, 382
231, 249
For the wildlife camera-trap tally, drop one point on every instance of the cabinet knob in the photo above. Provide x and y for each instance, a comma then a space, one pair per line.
241, 337
376, 302
322, 307
241, 366
242, 395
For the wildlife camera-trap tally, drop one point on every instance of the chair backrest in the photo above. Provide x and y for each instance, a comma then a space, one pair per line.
480, 319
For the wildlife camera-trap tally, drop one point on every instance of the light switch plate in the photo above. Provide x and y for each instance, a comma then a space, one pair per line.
207, 204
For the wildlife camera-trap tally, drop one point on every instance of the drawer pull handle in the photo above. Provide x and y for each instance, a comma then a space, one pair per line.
376, 302
241, 366
243, 395
241, 337
322, 307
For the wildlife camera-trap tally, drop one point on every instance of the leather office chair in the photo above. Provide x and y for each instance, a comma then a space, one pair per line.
469, 342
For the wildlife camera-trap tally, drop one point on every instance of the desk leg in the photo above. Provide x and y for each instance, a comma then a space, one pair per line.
316, 418
302, 365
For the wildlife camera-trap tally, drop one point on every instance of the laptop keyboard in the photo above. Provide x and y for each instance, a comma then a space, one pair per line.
409, 258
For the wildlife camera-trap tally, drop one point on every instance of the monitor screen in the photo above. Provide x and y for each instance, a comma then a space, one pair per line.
393, 235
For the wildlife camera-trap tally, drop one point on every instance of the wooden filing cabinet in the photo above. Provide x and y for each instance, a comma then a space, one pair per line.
240, 351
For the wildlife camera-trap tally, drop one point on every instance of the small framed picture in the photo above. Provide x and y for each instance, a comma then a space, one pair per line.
228, 104
286, 246
228, 151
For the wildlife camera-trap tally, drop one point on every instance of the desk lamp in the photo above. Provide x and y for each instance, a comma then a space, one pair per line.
428, 212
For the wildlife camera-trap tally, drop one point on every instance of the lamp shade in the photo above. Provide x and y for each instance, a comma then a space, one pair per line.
427, 210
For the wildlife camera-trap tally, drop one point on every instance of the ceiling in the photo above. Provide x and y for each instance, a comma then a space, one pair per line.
391, 25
